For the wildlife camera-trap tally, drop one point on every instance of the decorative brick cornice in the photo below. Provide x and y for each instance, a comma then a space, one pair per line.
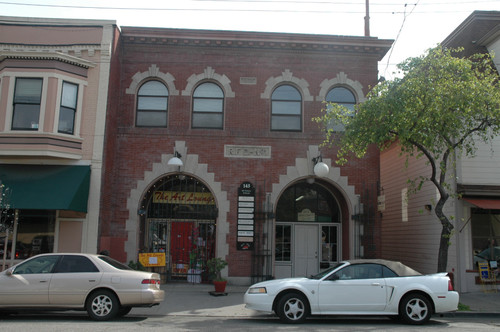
256, 40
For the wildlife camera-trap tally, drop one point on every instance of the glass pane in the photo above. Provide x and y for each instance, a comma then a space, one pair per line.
28, 90
283, 243
207, 105
152, 103
44, 264
26, 117
286, 123
153, 88
66, 120
329, 243
151, 119
286, 107
208, 90
286, 92
340, 95
69, 95
201, 120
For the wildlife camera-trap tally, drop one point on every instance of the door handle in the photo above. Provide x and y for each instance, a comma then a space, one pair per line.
376, 284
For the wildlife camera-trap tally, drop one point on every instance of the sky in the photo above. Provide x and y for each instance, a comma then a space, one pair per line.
415, 26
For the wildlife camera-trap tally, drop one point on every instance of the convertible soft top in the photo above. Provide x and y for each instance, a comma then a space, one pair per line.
399, 268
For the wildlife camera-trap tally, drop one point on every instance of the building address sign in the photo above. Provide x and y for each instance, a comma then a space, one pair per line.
246, 217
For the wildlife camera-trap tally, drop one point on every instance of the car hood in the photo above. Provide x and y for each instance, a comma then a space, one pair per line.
278, 282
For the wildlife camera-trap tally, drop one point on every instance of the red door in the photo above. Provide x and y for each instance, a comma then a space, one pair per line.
180, 246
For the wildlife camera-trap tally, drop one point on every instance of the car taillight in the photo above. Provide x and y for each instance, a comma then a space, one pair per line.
450, 285
150, 282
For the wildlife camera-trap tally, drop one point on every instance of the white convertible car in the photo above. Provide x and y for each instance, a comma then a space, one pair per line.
357, 287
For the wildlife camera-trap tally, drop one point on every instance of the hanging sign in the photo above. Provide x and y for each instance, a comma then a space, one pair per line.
246, 217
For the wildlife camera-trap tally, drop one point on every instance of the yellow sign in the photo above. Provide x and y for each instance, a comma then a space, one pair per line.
180, 197
152, 259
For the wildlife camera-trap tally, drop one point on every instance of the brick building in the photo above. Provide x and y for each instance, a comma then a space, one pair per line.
235, 108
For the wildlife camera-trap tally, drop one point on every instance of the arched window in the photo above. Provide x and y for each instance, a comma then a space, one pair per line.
152, 104
286, 109
208, 106
342, 96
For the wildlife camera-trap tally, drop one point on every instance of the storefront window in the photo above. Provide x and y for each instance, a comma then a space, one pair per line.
485, 235
35, 234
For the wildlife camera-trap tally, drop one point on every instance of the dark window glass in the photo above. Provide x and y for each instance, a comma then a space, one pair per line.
115, 263
208, 106
388, 273
67, 111
152, 104
283, 243
304, 197
74, 264
344, 97
286, 109
485, 228
360, 271
42, 264
27, 99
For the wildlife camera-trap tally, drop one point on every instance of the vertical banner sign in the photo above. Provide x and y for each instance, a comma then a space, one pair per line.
246, 216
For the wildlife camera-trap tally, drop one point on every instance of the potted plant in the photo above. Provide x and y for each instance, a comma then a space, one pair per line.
215, 266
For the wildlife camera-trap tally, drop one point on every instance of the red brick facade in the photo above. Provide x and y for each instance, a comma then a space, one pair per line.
247, 66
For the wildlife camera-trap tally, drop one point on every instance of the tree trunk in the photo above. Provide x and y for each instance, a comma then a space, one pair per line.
444, 242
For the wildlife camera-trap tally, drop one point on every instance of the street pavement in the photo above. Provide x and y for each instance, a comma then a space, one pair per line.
186, 299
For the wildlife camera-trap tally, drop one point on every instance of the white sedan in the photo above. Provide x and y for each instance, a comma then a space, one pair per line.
105, 288
357, 287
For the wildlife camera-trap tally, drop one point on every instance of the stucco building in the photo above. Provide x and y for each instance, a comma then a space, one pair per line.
53, 96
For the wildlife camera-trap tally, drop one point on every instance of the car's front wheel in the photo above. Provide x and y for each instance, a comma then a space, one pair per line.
415, 309
102, 305
292, 308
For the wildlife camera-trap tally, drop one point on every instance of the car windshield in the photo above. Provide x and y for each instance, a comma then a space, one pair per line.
325, 272
115, 263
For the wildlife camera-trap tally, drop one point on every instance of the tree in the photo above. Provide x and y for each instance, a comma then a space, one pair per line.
441, 107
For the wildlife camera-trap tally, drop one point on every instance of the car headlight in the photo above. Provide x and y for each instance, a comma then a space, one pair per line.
257, 290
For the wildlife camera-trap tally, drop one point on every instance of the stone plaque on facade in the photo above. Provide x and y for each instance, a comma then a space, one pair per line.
247, 151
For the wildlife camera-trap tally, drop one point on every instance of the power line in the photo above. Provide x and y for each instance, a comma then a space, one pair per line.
301, 10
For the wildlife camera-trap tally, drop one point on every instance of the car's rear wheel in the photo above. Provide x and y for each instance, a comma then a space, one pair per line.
292, 308
102, 305
415, 309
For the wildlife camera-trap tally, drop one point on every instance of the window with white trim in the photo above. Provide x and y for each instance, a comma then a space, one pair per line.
27, 100
286, 109
67, 111
152, 105
208, 106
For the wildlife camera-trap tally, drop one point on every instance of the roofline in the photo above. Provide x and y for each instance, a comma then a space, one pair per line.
256, 40
473, 17
17, 20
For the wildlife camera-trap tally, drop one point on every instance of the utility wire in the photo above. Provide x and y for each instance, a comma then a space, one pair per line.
399, 33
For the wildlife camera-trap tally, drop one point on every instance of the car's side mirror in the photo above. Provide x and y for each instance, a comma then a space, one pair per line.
9, 272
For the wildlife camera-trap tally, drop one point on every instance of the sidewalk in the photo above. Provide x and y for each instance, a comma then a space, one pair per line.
184, 299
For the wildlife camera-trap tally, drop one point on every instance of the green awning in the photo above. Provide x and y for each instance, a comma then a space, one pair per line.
47, 187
